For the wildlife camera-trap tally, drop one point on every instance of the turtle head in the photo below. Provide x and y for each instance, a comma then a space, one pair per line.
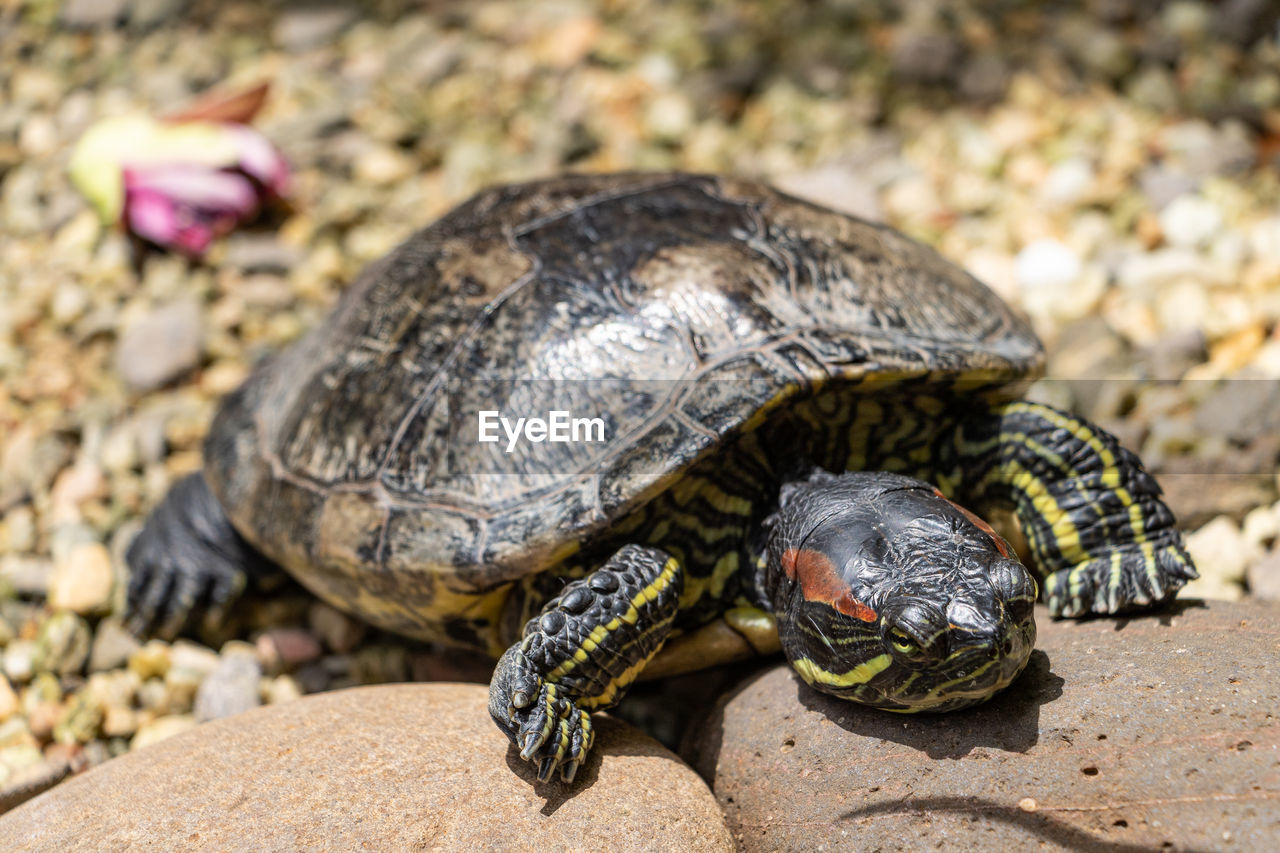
889, 594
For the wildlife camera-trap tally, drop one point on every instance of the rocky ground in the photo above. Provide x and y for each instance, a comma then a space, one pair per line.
1113, 170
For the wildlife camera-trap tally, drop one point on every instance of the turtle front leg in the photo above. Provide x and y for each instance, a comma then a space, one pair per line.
581, 654
188, 560
1100, 535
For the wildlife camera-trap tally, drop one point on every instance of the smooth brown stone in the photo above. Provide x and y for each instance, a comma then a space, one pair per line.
1123, 734
397, 767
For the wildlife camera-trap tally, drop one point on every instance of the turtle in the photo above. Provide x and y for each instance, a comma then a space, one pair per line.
582, 419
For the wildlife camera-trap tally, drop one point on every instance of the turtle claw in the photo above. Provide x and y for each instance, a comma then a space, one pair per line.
531, 743
549, 730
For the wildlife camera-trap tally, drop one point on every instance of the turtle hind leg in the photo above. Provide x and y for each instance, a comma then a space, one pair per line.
188, 559
1100, 534
581, 654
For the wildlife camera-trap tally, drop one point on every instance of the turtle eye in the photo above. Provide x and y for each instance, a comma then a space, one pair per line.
902, 642
914, 631
905, 647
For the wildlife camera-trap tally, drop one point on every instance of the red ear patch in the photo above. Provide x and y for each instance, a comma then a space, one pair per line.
1001, 545
819, 582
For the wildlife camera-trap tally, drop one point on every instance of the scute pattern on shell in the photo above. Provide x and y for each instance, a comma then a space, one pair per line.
640, 284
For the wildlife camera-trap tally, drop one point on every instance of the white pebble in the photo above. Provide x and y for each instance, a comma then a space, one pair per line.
1068, 182
1182, 306
1145, 271
1264, 239
1221, 552
1261, 525
161, 728
1190, 220
1047, 263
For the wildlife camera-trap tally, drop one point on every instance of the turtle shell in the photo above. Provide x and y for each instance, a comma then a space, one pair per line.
677, 309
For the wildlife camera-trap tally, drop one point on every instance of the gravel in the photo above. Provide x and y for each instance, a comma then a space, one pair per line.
1115, 167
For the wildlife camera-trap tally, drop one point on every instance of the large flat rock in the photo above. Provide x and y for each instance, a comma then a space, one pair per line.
402, 767
1137, 733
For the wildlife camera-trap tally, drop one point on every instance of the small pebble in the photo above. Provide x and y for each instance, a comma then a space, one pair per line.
1068, 182
113, 646
1263, 576
382, 166
82, 581
43, 717
184, 654
925, 56
161, 728
1047, 264
231, 688
8, 699
340, 632
153, 695
20, 756
313, 678
120, 722
160, 346
80, 721
283, 649
1190, 221
151, 660
311, 25
62, 646
26, 575
16, 732
19, 660
180, 688
20, 528
1261, 525
1222, 556
282, 688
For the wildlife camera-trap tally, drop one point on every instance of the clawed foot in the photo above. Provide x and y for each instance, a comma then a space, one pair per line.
1128, 578
188, 560
550, 730
544, 724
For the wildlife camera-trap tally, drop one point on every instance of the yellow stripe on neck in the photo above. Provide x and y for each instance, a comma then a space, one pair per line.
860, 674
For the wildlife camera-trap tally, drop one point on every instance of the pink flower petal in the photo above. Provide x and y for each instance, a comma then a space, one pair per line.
197, 187
259, 158
174, 224
151, 216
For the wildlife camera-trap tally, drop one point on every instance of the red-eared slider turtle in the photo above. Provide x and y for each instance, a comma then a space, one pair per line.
764, 406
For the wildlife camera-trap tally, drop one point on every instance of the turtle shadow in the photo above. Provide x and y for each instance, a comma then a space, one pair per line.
1009, 721
1037, 824
614, 739
554, 792
1165, 615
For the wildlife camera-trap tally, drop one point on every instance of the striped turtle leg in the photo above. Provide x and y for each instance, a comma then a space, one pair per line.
1100, 536
581, 654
